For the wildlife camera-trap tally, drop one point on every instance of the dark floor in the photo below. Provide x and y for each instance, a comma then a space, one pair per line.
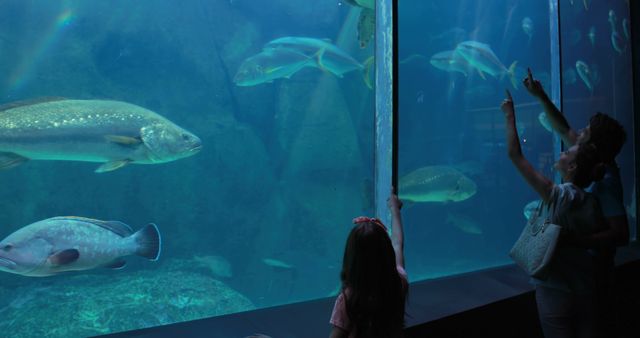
517, 316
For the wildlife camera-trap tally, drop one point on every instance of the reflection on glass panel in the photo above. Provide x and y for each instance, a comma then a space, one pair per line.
596, 59
244, 132
465, 202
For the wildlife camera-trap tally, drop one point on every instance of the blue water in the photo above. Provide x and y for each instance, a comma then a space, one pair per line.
260, 215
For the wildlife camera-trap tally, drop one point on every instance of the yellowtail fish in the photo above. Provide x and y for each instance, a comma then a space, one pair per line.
436, 184
480, 56
588, 77
60, 244
450, 61
111, 132
328, 56
271, 64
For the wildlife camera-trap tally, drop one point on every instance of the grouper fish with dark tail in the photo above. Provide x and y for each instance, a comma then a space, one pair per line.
70, 243
114, 133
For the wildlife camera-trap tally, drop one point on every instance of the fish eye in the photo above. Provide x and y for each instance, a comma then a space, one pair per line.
7, 247
185, 137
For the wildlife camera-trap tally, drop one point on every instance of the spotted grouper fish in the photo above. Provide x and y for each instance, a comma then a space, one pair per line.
436, 184
59, 244
114, 133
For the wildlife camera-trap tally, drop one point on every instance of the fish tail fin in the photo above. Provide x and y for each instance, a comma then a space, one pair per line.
149, 242
318, 57
512, 74
10, 160
366, 71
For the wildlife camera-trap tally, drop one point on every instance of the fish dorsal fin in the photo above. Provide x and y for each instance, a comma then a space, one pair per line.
116, 227
29, 102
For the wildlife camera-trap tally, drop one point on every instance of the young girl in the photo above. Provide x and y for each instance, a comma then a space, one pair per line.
565, 298
374, 283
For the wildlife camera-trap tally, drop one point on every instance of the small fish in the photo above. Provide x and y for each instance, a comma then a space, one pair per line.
527, 27
276, 263
569, 76
271, 64
60, 244
625, 28
574, 36
631, 208
586, 75
218, 265
612, 20
464, 223
450, 61
530, 209
544, 121
618, 43
592, 36
480, 56
436, 184
586, 3
114, 133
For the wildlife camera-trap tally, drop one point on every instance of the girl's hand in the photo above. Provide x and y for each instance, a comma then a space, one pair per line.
507, 105
534, 87
393, 202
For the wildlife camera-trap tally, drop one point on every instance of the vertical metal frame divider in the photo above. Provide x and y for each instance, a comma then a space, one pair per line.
556, 71
634, 17
386, 105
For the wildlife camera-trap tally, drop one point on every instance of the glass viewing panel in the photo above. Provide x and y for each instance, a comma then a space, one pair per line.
272, 158
596, 62
465, 203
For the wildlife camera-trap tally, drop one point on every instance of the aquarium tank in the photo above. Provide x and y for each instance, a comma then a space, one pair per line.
164, 162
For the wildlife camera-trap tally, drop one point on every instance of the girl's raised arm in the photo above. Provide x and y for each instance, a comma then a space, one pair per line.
397, 234
536, 180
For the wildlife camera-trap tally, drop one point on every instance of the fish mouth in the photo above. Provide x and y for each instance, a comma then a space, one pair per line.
7, 263
196, 148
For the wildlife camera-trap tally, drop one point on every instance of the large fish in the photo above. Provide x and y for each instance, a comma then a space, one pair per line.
271, 64
480, 56
60, 244
329, 57
112, 132
436, 184
450, 61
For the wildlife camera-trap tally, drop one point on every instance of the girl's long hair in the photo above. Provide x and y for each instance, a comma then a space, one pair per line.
376, 295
